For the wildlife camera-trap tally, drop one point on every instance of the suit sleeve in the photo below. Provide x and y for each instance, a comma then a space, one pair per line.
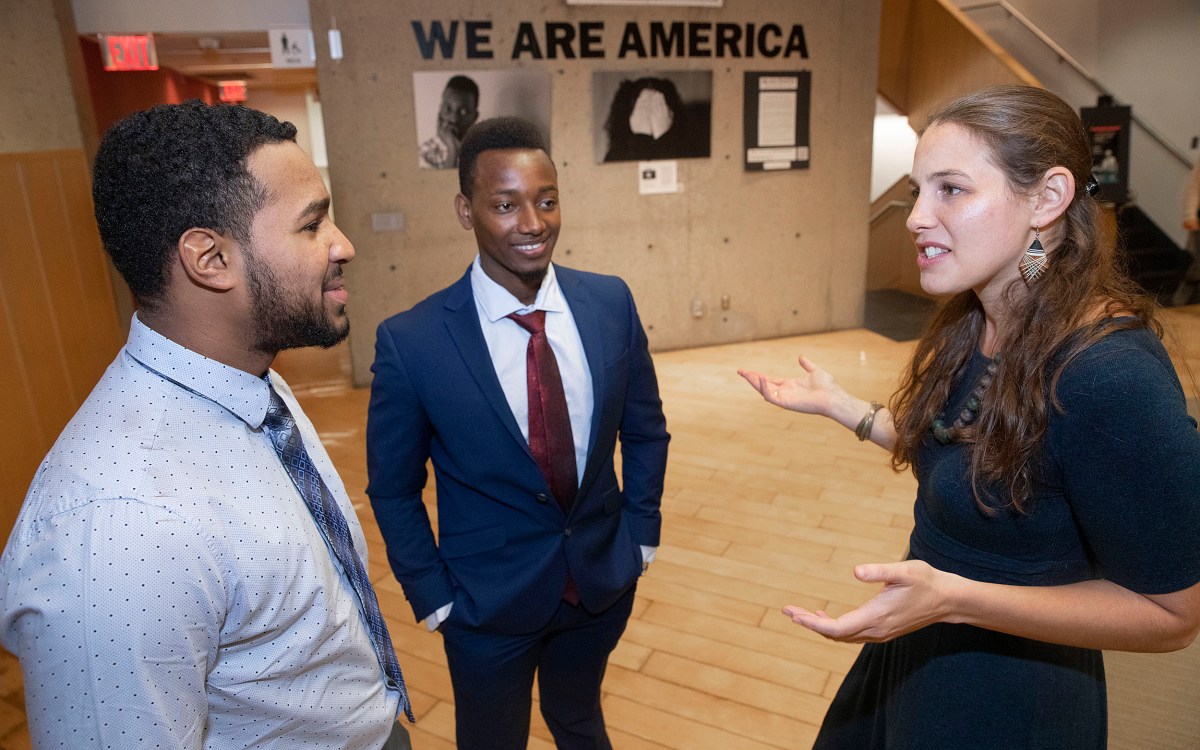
398, 439
644, 438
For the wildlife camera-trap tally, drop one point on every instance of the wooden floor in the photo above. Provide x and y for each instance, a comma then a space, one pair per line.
763, 508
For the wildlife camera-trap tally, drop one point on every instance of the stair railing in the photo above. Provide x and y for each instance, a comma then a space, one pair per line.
1066, 57
887, 208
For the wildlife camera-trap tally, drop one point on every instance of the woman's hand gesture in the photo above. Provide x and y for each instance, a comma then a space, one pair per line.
914, 595
811, 393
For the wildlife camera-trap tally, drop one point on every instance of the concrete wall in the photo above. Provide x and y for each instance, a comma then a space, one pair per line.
788, 248
39, 109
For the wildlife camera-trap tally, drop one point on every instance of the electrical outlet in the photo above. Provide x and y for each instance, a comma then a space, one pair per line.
387, 221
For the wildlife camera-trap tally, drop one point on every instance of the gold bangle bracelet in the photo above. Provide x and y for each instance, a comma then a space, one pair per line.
867, 423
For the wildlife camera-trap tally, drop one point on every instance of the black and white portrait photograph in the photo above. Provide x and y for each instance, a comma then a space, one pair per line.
649, 115
449, 102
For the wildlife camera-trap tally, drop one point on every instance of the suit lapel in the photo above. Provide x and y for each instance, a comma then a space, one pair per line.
591, 332
462, 321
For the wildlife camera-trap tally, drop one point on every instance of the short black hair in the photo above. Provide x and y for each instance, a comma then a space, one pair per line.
464, 85
164, 170
494, 134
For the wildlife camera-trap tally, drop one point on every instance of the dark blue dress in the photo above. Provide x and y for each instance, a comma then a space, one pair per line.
1118, 498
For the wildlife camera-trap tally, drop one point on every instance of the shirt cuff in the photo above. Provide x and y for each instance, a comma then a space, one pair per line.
435, 620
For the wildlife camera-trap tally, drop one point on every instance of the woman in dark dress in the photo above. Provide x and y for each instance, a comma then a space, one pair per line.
1058, 502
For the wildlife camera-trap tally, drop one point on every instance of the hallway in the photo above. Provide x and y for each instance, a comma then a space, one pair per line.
763, 508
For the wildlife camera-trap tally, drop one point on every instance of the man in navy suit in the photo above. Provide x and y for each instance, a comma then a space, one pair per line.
518, 580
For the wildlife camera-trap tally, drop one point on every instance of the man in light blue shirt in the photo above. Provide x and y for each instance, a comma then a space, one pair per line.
166, 584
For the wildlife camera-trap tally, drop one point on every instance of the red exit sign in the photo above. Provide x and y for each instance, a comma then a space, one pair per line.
233, 91
128, 52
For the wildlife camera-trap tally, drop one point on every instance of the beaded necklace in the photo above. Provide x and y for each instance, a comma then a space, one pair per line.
946, 435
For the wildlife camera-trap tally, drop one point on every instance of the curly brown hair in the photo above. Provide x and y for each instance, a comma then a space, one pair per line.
1083, 296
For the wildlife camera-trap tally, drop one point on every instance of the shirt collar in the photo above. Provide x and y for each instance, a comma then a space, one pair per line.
241, 393
498, 303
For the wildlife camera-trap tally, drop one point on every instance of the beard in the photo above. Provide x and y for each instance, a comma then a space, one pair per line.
534, 277
287, 319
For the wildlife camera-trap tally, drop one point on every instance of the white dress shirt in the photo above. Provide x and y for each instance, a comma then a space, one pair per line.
166, 586
507, 343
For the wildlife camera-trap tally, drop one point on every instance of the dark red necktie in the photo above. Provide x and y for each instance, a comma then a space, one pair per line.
550, 439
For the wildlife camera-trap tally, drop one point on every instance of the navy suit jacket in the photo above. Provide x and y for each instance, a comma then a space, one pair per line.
504, 546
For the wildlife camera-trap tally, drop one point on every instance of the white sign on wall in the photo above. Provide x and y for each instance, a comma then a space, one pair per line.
658, 177
292, 47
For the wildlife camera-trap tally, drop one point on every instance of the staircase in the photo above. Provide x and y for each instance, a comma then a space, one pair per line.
1150, 256
913, 83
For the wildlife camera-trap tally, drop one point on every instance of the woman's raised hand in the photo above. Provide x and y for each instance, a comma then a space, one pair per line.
811, 393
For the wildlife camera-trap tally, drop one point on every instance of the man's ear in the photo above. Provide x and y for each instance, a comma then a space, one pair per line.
462, 207
1057, 190
208, 258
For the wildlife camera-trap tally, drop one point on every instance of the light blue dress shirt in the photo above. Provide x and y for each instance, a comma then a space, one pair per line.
165, 584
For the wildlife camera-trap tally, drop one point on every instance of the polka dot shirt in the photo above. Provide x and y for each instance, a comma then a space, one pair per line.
165, 585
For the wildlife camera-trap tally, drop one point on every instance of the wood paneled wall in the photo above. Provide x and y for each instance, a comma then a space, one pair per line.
58, 324
891, 255
930, 51
114, 96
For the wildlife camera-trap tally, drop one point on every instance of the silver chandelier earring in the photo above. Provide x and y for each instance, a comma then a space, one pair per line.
1033, 265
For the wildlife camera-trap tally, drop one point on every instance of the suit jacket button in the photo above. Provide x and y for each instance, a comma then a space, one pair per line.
542, 497
567, 531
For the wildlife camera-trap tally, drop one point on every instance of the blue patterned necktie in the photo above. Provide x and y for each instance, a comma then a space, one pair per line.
281, 428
